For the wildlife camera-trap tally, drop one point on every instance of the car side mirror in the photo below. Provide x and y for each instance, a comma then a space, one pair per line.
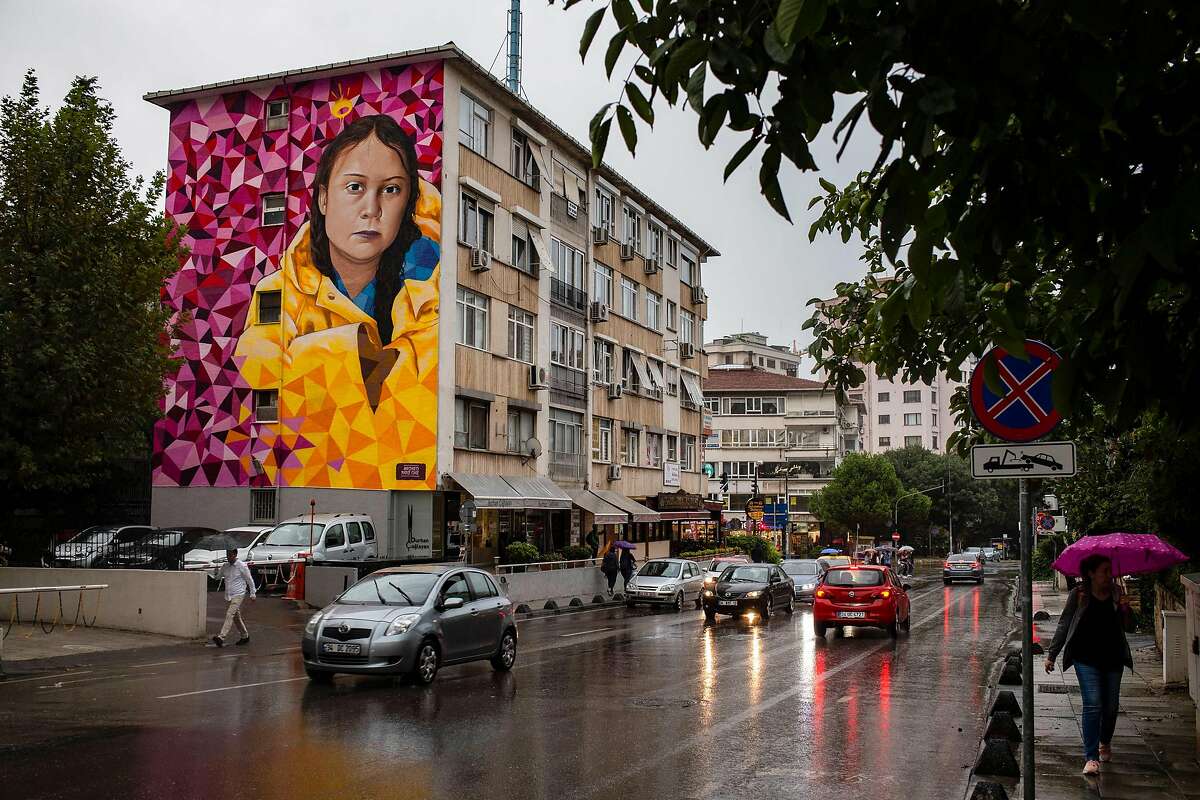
450, 603
907, 586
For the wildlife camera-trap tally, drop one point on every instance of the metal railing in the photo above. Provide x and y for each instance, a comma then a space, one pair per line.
543, 566
60, 617
568, 295
565, 379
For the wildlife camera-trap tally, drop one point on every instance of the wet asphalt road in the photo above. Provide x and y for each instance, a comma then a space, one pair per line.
602, 704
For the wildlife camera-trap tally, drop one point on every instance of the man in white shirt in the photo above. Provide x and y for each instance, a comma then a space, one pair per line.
239, 584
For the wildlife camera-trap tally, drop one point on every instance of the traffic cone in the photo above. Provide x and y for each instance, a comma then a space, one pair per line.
295, 590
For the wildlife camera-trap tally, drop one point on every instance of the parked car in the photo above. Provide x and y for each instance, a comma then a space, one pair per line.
714, 568
209, 553
861, 597
323, 537
962, 566
805, 574
750, 588
665, 581
162, 549
412, 620
92, 546
991, 554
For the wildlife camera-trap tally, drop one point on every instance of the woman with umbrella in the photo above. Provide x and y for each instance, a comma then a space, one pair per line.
1091, 629
628, 564
610, 567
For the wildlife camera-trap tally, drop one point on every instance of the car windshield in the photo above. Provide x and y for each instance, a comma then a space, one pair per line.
745, 574
659, 569
717, 566
854, 577
837, 561
294, 534
800, 567
963, 557
94, 535
164, 539
391, 589
131, 535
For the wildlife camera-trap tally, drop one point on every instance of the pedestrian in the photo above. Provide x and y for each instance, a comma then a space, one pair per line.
610, 568
758, 553
239, 584
1092, 634
628, 565
593, 541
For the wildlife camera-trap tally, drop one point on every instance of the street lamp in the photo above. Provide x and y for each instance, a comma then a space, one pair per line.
787, 503
896, 506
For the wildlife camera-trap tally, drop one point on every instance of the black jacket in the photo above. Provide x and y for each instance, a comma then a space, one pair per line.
609, 564
1069, 621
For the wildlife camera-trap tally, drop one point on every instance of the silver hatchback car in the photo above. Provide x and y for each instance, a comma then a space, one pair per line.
666, 581
412, 621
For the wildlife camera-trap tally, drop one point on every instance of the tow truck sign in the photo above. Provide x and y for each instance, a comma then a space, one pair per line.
1034, 460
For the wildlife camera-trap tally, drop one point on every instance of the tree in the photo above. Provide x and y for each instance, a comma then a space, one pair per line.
1037, 172
860, 496
83, 258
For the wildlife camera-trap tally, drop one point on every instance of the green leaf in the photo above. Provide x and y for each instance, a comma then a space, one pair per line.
628, 128
639, 102
799, 19
779, 51
589, 32
600, 142
594, 125
713, 118
687, 55
786, 18
695, 88
740, 156
624, 14
647, 5
827, 186
615, 46
768, 180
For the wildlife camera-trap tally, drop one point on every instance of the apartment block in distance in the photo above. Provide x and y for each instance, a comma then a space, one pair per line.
751, 349
458, 327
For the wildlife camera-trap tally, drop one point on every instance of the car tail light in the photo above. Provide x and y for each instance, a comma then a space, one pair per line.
820, 592
948, 565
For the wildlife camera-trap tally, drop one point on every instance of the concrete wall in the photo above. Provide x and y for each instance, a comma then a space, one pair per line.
205, 506
171, 603
528, 587
322, 584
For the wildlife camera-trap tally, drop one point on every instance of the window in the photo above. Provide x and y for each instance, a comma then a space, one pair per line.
671, 315
266, 405
885, 397
456, 586
885, 419
910, 441
524, 254
566, 264
565, 432
474, 123
262, 505
566, 346
654, 449
933, 400
355, 532
741, 469
885, 441
688, 272
713, 404
470, 423
481, 585
524, 165
629, 447
602, 361
277, 114
602, 284
274, 208
913, 396
629, 298
472, 319
602, 442
477, 222
521, 334
933, 418
603, 217
687, 327
520, 429
772, 405
934, 445
672, 252
673, 448
334, 537
672, 378
632, 227
655, 241
657, 379
270, 306
912, 419
689, 453
653, 304
770, 363
630, 381
728, 359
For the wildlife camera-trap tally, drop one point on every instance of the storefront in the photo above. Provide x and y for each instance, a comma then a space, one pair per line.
606, 520
685, 517
508, 509
641, 528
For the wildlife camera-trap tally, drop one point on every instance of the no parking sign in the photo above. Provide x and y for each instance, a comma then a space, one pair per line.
1024, 411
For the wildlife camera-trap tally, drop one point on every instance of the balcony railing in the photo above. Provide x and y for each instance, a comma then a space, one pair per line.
565, 379
565, 294
568, 466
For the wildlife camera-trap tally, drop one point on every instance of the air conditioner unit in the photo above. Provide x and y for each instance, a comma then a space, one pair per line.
572, 210
481, 260
599, 235
599, 312
537, 377
614, 472
615, 390
653, 265
686, 350
627, 252
698, 295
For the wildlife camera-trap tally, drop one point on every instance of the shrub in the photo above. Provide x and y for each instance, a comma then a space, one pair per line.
521, 553
576, 552
747, 543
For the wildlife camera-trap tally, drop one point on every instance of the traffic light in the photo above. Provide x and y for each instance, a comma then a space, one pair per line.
755, 487
724, 483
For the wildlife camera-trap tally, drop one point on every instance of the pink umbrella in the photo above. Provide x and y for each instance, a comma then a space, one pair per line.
1131, 553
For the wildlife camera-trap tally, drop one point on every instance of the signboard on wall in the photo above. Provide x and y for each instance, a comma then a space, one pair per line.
672, 474
680, 501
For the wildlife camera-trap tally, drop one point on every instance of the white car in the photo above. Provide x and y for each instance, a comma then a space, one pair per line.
209, 558
321, 537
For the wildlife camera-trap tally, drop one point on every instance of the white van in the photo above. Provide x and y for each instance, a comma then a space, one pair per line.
324, 537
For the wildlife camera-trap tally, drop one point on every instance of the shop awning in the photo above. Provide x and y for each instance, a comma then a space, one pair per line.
539, 492
488, 491
604, 513
636, 511
686, 516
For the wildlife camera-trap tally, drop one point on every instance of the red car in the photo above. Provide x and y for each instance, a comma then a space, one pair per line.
861, 597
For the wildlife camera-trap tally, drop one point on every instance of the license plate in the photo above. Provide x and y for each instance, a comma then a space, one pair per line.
961, 566
348, 649
727, 602
852, 614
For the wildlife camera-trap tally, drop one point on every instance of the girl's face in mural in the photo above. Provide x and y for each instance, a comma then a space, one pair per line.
364, 203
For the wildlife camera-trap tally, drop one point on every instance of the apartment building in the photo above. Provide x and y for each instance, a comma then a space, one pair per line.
782, 434
900, 413
751, 349
543, 374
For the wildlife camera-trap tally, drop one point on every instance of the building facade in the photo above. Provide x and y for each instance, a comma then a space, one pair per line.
900, 413
782, 434
751, 349
532, 372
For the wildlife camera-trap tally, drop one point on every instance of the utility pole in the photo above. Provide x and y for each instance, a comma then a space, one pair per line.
949, 503
1026, 641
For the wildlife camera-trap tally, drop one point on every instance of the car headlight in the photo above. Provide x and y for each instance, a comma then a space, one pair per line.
752, 595
709, 593
808, 586
666, 588
310, 627
402, 624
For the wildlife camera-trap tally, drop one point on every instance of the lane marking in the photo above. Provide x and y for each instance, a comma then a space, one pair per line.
581, 633
61, 684
45, 677
231, 688
155, 664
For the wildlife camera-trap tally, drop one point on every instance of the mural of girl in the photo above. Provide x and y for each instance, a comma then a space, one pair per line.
354, 354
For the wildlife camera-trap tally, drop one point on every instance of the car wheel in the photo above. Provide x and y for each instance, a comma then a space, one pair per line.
677, 606
506, 656
766, 610
893, 630
790, 608
820, 629
319, 676
428, 660
907, 624
699, 602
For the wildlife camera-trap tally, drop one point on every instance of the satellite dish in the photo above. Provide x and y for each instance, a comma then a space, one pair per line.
533, 447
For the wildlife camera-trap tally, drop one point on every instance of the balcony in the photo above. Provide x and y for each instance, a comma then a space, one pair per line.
560, 212
570, 381
567, 295
568, 466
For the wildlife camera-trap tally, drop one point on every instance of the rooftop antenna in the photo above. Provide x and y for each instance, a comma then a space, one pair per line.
514, 47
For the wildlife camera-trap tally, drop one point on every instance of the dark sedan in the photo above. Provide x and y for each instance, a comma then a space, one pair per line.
806, 574
751, 589
163, 549
962, 567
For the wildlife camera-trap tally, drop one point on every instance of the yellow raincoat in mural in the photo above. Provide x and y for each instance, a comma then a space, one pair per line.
351, 408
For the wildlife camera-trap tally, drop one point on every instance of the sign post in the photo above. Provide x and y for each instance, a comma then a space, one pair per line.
1021, 413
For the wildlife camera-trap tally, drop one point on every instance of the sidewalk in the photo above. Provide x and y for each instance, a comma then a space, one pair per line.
1154, 749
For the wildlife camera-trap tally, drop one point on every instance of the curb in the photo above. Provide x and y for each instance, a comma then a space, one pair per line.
541, 612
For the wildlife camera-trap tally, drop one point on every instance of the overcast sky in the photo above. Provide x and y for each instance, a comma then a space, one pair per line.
768, 270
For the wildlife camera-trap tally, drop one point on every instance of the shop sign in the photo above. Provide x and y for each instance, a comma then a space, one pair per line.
672, 474
680, 501
754, 509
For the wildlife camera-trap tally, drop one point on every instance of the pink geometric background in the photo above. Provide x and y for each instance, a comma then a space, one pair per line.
221, 160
